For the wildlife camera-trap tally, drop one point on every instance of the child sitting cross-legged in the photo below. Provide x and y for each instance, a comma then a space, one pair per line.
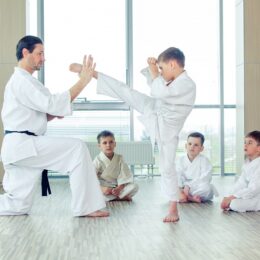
195, 172
116, 180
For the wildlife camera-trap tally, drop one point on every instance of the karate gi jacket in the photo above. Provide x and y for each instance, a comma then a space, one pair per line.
26, 105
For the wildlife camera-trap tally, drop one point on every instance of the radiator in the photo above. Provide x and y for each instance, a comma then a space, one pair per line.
134, 153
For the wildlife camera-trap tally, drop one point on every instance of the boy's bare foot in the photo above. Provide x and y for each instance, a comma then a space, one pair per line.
127, 198
195, 198
171, 218
98, 213
183, 197
123, 199
183, 200
75, 67
173, 215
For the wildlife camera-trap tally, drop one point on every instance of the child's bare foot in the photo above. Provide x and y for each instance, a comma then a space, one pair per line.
183, 200
98, 213
75, 67
183, 197
123, 199
173, 215
171, 218
127, 198
195, 198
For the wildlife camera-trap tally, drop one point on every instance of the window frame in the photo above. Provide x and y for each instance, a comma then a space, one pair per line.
82, 105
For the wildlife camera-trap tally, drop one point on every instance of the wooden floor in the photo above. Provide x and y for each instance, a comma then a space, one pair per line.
133, 231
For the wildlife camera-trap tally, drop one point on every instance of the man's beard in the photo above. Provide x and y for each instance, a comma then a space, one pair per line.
38, 67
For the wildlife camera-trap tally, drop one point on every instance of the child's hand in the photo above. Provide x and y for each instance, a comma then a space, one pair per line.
226, 202
152, 62
116, 191
106, 190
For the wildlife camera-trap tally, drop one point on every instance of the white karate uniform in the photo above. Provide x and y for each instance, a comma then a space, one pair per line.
163, 115
115, 172
26, 103
196, 174
247, 188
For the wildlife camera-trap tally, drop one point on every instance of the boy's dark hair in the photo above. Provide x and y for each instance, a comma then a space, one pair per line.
28, 42
254, 135
172, 53
104, 133
197, 135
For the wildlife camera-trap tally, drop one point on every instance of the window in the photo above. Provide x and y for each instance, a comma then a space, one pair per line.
93, 27
83, 27
100, 28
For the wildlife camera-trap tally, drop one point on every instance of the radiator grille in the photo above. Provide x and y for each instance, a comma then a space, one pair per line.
134, 153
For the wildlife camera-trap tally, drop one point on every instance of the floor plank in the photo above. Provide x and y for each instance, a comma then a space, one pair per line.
133, 231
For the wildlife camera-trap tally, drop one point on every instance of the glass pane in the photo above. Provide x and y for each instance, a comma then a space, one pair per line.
230, 141
87, 124
229, 52
31, 17
189, 25
205, 121
75, 28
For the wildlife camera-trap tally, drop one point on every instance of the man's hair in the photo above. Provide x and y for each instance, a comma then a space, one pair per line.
28, 42
254, 135
197, 135
172, 53
104, 133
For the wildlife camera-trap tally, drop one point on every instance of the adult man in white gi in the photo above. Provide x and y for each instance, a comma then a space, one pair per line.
164, 113
27, 107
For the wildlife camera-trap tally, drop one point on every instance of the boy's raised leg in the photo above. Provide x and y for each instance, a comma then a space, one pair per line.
75, 67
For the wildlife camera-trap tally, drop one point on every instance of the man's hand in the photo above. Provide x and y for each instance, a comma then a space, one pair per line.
87, 70
85, 76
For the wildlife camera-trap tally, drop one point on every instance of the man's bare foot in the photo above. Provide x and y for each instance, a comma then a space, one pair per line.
195, 198
98, 213
173, 215
75, 67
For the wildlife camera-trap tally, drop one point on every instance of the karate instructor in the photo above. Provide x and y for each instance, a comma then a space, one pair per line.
27, 108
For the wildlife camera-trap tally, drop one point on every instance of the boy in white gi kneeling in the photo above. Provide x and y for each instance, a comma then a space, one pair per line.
195, 172
115, 177
246, 192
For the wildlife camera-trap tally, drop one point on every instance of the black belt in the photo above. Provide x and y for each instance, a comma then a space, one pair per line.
20, 132
45, 181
